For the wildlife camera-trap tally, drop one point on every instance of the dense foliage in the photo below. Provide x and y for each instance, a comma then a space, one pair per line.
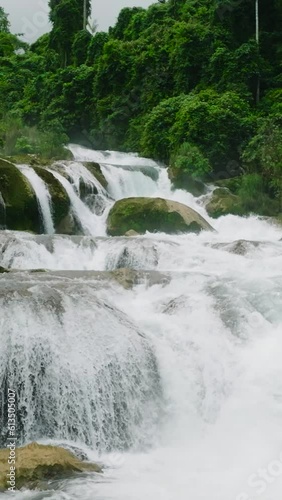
178, 81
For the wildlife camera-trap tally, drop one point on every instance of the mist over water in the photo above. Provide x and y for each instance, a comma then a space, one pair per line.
175, 387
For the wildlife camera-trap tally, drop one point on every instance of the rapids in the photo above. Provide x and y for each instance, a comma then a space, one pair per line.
175, 386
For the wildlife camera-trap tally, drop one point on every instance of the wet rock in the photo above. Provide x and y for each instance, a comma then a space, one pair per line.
240, 247
96, 203
95, 170
68, 226
129, 277
38, 463
182, 180
21, 206
60, 199
233, 184
223, 202
128, 258
176, 305
131, 232
154, 215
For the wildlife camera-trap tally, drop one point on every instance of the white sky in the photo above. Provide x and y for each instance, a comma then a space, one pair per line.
31, 16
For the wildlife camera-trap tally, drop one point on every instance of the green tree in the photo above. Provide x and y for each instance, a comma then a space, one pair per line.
4, 21
67, 18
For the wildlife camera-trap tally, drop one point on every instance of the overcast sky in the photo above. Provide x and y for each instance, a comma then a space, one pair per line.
31, 16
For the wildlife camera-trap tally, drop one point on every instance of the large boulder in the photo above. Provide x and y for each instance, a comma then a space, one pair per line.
36, 464
154, 215
223, 202
60, 199
21, 208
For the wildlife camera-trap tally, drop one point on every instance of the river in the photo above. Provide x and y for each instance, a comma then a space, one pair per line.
174, 385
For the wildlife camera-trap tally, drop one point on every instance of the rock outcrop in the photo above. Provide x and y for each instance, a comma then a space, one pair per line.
21, 208
182, 180
95, 170
60, 199
154, 215
223, 202
36, 464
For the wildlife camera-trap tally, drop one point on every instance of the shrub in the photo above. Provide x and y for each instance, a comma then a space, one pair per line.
191, 160
19, 139
254, 197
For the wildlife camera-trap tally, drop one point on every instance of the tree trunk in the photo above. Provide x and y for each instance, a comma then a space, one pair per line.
257, 39
84, 14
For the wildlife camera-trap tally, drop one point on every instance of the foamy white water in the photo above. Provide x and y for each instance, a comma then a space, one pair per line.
175, 387
81, 153
90, 222
43, 197
78, 171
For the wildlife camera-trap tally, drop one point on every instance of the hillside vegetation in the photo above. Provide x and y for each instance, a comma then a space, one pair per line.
184, 82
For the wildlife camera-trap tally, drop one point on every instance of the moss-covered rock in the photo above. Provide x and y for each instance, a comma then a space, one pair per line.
95, 170
60, 199
38, 160
252, 196
20, 201
223, 202
183, 180
29, 159
36, 464
3, 270
233, 184
154, 215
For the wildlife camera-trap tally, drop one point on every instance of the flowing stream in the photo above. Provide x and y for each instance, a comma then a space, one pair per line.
174, 385
89, 222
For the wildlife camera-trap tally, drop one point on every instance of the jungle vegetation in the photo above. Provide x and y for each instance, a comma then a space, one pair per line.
185, 82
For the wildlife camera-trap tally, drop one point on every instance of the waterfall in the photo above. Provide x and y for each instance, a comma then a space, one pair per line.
169, 375
129, 175
109, 157
43, 197
77, 172
81, 369
2, 212
124, 183
91, 223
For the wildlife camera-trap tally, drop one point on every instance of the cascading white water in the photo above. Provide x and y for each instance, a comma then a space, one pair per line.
91, 223
95, 392
124, 183
78, 171
2, 212
109, 157
43, 197
128, 176
180, 381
